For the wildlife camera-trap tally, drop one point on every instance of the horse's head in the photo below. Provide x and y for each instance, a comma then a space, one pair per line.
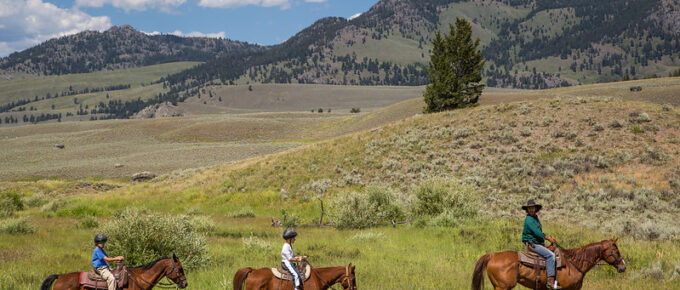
176, 273
612, 256
349, 281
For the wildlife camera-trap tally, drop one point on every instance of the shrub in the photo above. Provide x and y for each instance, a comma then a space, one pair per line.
36, 200
444, 201
203, 224
636, 129
53, 205
368, 236
525, 132
256, 245
243, 213
143, 237
463, 133
598, 127
653, 156
89, 222
558, 134
615, 124
355, 110
524, 109
10, 202
364, 209
289, 220
16, 226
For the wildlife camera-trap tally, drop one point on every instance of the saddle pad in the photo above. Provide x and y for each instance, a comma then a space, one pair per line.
93, 280
530, 258
284, 275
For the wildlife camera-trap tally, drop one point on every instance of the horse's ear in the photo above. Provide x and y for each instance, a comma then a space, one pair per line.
614, 239
174, 257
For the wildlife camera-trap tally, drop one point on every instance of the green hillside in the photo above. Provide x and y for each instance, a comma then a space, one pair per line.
70, 94
602, 166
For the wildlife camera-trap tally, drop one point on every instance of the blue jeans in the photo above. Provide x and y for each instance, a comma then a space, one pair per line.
549, 259
293, 271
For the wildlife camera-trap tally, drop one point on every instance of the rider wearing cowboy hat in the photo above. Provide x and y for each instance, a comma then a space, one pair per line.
288, 258
533, 237
100, 259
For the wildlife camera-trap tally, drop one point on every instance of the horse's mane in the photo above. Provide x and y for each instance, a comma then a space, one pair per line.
149, 265
585, 253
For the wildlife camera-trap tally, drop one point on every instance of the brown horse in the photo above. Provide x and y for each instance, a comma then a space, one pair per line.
321, 278
505, 271
139, 278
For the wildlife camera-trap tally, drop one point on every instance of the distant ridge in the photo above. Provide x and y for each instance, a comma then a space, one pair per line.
119, 47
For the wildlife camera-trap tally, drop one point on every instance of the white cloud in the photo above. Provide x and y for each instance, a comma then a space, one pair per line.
127, 5
27, 23
220, 34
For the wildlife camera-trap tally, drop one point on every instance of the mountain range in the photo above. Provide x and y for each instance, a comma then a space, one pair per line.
530, 44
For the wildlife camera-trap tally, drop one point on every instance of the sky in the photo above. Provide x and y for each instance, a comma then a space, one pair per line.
26, 23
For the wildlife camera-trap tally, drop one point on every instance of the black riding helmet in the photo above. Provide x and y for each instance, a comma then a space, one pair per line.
289, 233
100, 238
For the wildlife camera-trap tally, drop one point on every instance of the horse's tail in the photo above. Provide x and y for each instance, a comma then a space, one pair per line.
47, 284
240, 277
478, 275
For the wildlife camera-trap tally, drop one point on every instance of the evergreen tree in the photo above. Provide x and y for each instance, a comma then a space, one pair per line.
455, 70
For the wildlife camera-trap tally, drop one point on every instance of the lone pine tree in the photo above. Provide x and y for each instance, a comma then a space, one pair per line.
455, 70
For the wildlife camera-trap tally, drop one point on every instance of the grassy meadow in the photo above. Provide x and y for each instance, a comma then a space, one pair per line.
602, 162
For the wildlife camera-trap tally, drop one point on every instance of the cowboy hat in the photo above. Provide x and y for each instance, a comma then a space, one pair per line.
531, 203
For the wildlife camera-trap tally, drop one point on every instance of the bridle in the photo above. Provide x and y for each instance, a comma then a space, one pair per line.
174, 284
617, 260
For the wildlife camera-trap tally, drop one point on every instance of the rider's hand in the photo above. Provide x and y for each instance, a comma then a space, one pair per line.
120, 258
549, 238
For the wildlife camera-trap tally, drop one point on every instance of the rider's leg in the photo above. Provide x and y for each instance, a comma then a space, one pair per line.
110, 279
293, 271
549, 263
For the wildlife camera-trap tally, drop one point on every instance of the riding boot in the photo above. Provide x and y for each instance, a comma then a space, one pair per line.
552, 283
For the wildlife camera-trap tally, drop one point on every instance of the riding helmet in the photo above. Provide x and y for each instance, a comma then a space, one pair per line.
289, 233
100, 238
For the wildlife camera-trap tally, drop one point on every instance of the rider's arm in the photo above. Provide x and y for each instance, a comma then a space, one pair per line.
109, 259
533, 227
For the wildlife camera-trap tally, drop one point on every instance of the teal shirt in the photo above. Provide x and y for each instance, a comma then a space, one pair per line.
533, 231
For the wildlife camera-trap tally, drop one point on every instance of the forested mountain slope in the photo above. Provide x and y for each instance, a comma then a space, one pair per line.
528, 44
117, 48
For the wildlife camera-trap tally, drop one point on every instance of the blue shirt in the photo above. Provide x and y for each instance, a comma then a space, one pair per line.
98, 258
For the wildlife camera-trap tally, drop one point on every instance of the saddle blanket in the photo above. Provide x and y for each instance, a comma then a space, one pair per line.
285, 275
530, 259
93, 280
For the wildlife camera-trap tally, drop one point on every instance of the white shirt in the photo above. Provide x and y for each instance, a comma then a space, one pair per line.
287, 253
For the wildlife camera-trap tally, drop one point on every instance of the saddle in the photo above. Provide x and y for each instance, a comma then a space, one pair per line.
533, 259
93, 280
283, 274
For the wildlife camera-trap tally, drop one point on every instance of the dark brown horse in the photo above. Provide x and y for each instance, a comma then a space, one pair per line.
139, 278
321, 278
505, 271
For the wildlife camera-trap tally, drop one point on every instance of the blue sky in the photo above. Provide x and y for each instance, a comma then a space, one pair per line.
25, 23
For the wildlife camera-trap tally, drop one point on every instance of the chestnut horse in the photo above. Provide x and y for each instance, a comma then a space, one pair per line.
139, 278
505, 270
321, 278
